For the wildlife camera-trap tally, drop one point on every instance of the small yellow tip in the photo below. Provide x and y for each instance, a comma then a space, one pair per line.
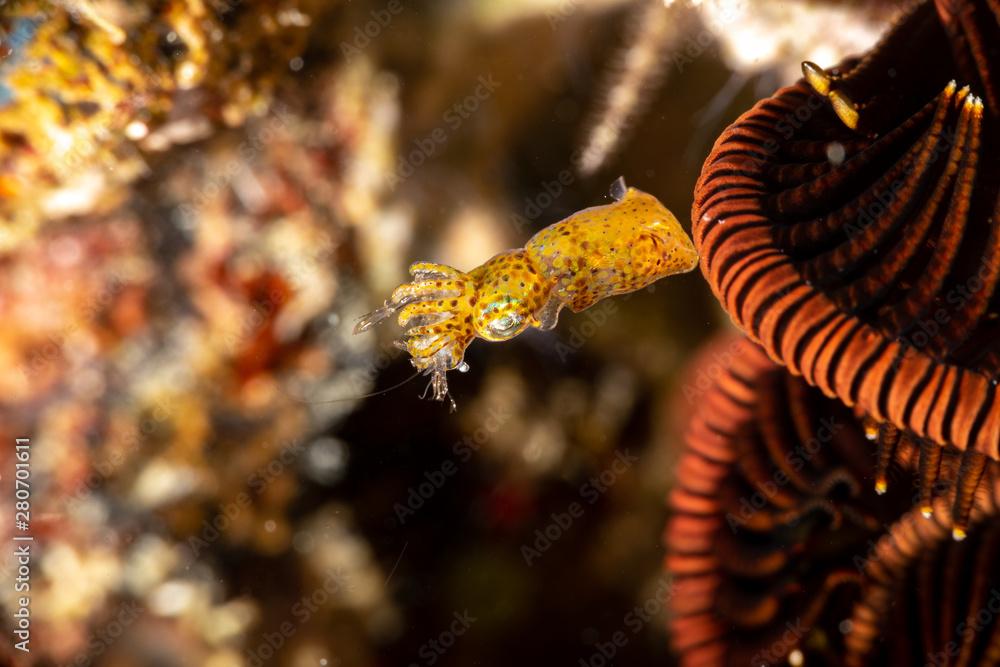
817, 77
926, 511
881, 486
845, 109
958, 533
871, 432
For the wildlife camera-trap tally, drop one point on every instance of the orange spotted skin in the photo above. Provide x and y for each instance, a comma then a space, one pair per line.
613, 249
593, 254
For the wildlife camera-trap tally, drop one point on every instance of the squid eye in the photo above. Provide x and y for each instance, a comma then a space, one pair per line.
505, 325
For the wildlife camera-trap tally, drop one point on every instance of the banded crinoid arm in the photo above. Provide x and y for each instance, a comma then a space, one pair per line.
771, 506
929, 600
849, 224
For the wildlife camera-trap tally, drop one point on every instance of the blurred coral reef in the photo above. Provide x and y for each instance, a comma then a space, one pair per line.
197, 197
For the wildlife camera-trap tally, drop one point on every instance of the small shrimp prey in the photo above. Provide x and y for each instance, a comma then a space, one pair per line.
593, 254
